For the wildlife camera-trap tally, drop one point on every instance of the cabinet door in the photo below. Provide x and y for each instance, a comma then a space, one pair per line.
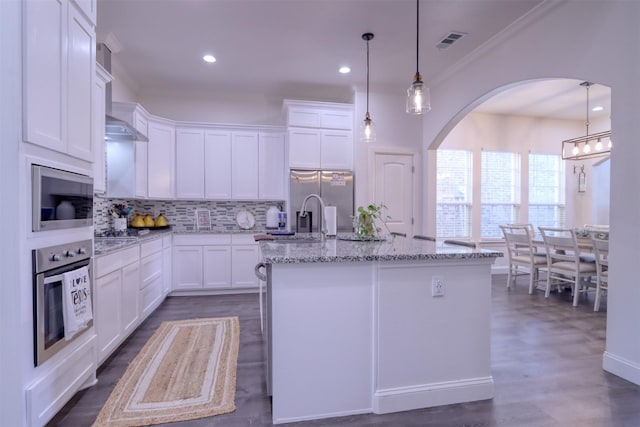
217, 164
166, 270
160, 161
304, 148
99, 156
88, 7
244, 165
187, 267
130, 285
217, 266
243, 261
141, 165
336, 119
44, 73
336, 149
190, 163
80, 74
272, 166
108, 312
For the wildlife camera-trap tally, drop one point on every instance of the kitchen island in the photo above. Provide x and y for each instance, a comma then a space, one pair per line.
359, 327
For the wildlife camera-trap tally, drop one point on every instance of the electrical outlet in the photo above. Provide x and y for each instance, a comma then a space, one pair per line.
437, 286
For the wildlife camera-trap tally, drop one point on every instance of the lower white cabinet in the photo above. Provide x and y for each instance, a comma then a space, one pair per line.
166, 265
214, 261
116, 298
151, 276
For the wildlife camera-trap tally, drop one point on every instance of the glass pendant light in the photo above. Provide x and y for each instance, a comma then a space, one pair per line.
418, 98
368, 132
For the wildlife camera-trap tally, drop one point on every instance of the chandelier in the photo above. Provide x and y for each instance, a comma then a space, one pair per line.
590, 145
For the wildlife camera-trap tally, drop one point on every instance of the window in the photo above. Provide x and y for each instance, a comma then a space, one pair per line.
500, 191
453, 211
546, 190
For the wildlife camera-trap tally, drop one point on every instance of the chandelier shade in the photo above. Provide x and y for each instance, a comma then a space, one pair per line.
418, 98
367, 131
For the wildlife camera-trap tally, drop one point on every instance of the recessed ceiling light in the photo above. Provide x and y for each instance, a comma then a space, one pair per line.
209, 58
344, 70
598, 108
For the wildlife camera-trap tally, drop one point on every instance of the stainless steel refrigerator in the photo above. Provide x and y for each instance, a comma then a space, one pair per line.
334, 187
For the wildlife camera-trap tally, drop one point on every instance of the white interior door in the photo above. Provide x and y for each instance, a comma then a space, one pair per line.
394, 188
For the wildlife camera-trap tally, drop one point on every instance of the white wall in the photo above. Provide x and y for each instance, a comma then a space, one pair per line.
572, 39
396, 131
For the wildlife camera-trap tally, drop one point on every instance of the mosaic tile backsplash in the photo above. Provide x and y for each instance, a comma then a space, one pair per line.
181, 213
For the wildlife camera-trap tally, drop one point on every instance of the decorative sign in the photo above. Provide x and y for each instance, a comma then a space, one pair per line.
203, 219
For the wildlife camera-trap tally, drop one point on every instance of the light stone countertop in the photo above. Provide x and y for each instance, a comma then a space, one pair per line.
338, 250
105, 245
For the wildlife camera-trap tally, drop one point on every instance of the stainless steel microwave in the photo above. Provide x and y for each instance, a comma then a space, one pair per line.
61, 199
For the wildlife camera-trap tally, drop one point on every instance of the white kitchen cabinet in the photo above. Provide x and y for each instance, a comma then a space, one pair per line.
336, 149
244, 165
214, 262
245, 254
166, 265
116, 288
58, 77
190, 163
304, 148
272, 167
141, 149
160, 160
130, 296
187, 267
216, 266
217, 158
151, 276
320, 135
88, 7
99, 150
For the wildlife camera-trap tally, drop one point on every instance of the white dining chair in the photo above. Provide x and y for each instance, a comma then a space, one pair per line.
522, 254
563, 262
601, 252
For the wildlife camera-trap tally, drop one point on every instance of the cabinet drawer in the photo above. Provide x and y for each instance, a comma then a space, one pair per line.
166, 241
201, 239
243, 239
111, 262
150, 269
148, 248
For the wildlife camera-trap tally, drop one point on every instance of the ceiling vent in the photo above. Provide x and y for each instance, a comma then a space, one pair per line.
450, 39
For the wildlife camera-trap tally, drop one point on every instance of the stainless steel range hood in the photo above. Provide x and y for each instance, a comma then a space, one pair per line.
115, 128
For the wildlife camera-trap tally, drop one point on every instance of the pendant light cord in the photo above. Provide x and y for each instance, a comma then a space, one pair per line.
417, 35
368, 75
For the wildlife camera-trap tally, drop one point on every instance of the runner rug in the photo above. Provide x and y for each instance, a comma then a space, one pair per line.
186, 370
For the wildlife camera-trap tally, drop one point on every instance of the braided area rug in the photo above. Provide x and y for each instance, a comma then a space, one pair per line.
186, 370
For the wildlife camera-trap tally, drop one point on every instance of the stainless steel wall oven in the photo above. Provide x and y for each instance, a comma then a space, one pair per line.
49, 265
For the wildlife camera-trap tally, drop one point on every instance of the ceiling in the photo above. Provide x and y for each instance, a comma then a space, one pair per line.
293, 48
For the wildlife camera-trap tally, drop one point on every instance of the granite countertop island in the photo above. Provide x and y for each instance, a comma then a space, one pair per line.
354, 327
307, 248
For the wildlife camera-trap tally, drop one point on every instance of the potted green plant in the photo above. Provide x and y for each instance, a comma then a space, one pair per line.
364, 221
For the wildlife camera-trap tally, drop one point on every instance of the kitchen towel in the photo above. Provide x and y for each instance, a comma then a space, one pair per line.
76, 301
330, 220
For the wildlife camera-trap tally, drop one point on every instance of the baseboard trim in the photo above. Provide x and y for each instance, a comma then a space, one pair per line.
624, 368
436, 394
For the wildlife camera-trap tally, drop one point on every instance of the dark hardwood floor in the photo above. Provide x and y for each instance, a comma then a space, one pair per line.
546, 364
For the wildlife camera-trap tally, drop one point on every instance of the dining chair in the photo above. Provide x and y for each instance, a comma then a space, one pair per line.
521, 252
563, 262
601, 252
460, 243
421, 237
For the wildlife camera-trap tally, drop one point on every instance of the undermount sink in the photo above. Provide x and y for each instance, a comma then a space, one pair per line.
295, 239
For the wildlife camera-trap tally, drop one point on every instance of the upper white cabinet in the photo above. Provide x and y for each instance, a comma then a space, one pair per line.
223, 164
272, 167
217, 158
160, 160
320, 135
58, 77
190, 163
99, 162
89, 8
244, 165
